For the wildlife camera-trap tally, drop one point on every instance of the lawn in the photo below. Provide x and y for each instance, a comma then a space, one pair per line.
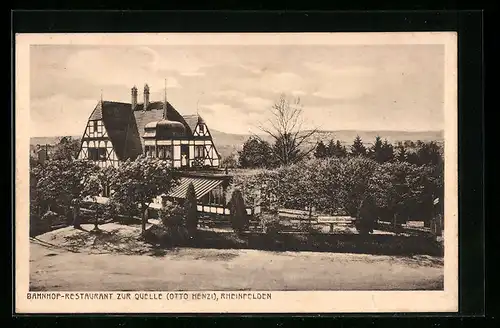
71, 260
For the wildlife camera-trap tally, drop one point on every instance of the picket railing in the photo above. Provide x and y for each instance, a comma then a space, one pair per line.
314, 218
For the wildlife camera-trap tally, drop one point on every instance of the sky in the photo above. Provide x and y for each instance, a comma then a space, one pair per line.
233, 87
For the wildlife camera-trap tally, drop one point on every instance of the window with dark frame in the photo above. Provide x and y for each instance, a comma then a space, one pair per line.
169, 152
199, 151
96, 154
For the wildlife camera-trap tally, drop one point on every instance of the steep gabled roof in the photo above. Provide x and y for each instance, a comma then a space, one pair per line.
120, 125
155, 114
192, 120
125, 126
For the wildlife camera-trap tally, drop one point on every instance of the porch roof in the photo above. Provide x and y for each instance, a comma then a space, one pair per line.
201, 186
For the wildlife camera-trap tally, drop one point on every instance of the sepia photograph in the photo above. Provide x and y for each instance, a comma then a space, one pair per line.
260, 172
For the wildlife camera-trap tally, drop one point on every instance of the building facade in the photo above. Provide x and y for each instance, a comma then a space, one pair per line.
119, 131
116, 132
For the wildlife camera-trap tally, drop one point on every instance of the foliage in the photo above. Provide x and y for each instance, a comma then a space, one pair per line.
381, 152
336, 149
63, 183
405, 190
191, 211
320, 150
286, 129
357, 147
98, 213
66, 149
136, 183
256, 153
355, 186
387, 152
401, 152
49, 218
172, 215
230, 161
239, 217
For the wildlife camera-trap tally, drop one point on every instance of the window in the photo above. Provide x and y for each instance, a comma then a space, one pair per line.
97, 154
199, 152
215, 197
150, 151
202, 128
93, 154
169, 152
95, 125
165, 152
102, 154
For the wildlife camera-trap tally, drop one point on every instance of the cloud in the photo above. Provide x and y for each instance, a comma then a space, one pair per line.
227, 118
69, 114
339, 86
334, 70
257, 103
186, 64
282, 82
229, 93
116, 66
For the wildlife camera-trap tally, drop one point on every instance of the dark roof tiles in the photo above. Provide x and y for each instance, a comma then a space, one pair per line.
125, 126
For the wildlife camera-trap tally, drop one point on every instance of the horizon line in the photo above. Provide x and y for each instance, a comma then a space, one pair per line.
249, 133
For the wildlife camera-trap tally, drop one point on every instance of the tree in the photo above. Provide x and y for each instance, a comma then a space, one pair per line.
66, 149
358, 148
320, 151
331, 149
356, 183
401, 152
429, 153
387, 152
239, 217
66, 183
366, 221
256, 153
340, 150
191, 211
403, 190
136, 183
230, 161
285, 127
375, 151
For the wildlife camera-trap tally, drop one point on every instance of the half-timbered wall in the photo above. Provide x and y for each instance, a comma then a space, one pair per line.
183, 152
206, 155
96, 145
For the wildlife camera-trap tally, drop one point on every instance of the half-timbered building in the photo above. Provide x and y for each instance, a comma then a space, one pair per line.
117, 131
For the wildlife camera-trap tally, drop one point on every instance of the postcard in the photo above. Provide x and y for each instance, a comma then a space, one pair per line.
236, 173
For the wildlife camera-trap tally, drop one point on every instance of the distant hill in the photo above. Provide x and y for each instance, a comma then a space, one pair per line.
227, 143
48, 140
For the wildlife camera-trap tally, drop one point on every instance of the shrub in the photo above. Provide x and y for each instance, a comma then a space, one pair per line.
48, 219
239, 217
173, 230
191, 211
172, 215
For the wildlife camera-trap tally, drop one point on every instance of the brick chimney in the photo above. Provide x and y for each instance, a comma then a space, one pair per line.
134, 97
146, 96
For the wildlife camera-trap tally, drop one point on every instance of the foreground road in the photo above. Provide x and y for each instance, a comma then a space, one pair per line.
208, 269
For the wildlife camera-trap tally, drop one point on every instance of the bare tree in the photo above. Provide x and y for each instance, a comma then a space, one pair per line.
285, 128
